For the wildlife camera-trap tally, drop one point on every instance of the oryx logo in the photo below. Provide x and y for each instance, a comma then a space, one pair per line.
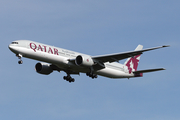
87, 60
132, 64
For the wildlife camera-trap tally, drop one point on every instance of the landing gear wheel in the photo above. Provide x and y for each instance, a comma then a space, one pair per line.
65, 77
72, 79
94, 76
20, 62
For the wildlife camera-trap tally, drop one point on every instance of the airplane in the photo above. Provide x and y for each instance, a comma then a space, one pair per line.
59, 59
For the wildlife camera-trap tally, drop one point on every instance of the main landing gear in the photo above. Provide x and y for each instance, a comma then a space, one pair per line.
69, 78
19, 56
92, 75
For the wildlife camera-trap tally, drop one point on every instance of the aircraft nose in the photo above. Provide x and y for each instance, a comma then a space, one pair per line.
14, 47
10, 47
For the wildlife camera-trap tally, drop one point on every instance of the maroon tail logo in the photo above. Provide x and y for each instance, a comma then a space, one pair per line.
132, 64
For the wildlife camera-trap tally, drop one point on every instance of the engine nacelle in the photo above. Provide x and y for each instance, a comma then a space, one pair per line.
43, 68
84, 61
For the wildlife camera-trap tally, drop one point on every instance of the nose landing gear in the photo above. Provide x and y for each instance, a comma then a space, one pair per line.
19, 56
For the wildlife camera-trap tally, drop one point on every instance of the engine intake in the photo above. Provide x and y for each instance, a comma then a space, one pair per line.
43, 68
84, 61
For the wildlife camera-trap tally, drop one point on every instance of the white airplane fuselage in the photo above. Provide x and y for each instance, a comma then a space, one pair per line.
74, 63
60, 57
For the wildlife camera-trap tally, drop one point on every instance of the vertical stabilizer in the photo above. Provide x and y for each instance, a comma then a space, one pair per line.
132, 62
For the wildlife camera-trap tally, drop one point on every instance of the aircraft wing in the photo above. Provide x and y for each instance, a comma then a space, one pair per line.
124, 55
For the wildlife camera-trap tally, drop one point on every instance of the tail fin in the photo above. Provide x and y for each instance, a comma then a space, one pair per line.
132, 62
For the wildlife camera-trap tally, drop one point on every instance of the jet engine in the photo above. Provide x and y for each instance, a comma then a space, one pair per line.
84, 61
43, 68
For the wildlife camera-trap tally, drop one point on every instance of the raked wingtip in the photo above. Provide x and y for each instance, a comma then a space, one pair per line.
166, 46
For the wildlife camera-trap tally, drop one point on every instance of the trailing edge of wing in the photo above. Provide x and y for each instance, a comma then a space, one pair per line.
149, 70
120, 56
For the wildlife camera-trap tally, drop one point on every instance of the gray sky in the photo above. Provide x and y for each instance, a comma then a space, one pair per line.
93, 27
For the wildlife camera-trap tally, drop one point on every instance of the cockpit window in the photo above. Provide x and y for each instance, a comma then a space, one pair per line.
14, 42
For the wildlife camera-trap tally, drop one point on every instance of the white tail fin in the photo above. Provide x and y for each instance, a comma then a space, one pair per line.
132, 62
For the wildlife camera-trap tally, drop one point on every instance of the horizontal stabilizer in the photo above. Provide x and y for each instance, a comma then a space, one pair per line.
148, 70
